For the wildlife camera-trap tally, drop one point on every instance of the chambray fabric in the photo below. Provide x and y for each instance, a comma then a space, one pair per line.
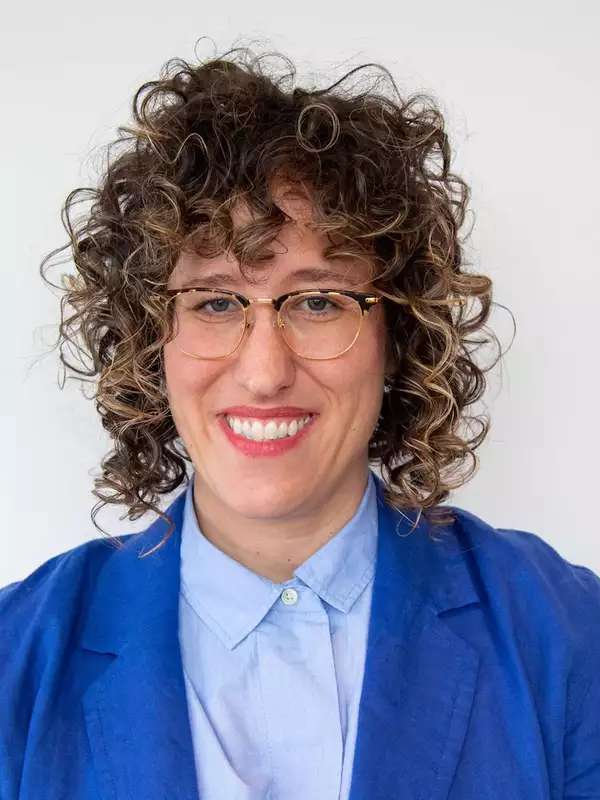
272, 686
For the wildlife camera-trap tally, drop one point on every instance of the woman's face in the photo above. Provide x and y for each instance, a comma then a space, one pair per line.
344, 393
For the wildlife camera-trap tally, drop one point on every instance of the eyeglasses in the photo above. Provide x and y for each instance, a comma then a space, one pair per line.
317, 324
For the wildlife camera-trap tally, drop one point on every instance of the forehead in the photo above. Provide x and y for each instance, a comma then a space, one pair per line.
298, 256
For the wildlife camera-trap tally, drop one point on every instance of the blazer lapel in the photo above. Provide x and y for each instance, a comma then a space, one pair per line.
420, 677
136, 711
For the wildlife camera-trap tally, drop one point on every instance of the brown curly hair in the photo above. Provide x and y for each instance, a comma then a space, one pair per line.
206, 136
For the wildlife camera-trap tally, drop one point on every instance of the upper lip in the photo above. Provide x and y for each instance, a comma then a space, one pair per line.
266, 413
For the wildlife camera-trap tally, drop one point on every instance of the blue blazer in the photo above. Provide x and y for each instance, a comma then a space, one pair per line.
482, 674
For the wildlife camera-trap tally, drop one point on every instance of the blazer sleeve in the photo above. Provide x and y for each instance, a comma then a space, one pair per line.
582, 733
35, 623
15, 702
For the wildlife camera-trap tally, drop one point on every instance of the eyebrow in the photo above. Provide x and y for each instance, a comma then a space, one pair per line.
222, 279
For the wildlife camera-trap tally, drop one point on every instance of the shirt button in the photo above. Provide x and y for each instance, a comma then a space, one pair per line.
289, 596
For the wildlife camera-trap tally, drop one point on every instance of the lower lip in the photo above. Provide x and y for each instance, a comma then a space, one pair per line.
268, 447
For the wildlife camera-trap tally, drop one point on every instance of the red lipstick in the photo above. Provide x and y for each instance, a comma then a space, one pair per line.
268, 447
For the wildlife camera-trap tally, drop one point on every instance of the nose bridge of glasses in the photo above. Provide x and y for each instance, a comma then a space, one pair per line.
267, 301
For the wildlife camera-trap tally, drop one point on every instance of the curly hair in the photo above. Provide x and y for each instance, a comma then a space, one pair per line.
209, 135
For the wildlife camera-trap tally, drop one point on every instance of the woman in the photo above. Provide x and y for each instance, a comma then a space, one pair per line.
294, 625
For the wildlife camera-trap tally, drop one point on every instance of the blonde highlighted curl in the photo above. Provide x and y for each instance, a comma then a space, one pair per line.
377, 168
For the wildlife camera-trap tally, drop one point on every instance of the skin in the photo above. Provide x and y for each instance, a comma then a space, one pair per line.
272, 513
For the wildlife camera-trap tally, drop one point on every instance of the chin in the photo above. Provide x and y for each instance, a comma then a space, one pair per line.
254, 497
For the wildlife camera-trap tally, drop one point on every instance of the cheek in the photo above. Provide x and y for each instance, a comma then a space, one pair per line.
372, 354
175, 372
361, 382
186, 378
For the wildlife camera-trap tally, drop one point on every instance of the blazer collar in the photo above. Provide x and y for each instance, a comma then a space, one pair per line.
417, 691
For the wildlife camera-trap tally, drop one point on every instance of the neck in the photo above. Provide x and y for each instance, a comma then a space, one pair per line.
275, 546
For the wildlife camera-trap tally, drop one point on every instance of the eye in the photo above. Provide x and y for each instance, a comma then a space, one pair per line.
219, 305
321, 308
315, 304
207, 305
319, 303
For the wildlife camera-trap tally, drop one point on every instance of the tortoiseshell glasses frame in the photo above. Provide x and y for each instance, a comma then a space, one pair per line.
365, 300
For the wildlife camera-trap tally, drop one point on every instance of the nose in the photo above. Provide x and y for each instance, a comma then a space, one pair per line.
264, 364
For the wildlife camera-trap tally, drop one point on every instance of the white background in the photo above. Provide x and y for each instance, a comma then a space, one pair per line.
519, 84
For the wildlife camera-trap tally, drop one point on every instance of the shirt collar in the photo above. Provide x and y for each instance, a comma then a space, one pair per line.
232, 599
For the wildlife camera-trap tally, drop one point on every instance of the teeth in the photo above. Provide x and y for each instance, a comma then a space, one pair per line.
259, 430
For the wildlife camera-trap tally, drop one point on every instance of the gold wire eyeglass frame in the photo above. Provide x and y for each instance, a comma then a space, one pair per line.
366, 301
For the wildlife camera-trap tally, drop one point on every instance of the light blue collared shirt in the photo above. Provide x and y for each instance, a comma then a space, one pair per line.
273, 671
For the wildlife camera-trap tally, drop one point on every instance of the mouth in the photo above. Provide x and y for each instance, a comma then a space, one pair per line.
266, 437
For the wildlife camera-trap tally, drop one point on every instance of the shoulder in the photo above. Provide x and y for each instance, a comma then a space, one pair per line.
60, 571
45, 611
544, 612
44, 606
525, 560
549, 606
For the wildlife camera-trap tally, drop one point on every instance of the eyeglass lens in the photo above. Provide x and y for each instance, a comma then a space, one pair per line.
315, 324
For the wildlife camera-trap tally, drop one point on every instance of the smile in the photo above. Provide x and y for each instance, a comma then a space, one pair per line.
266, 437
260, 429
